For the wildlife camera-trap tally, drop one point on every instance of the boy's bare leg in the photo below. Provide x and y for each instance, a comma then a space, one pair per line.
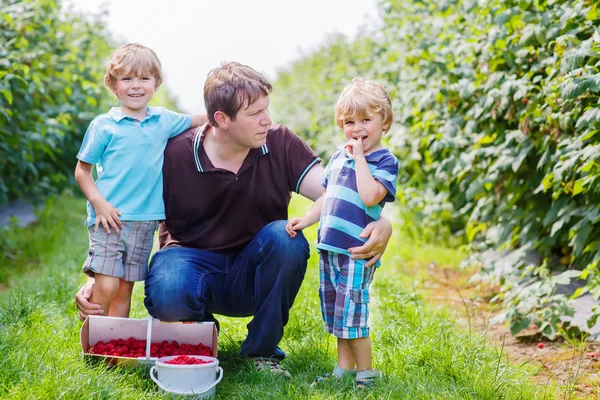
345, 356
105, 289
361, 351
121, 303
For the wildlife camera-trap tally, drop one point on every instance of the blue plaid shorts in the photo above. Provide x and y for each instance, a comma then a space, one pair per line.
344, 293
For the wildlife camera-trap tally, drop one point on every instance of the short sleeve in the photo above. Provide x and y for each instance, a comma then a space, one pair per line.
387, 173
176, 123
93, 146
299, 158
327, 172
325, 176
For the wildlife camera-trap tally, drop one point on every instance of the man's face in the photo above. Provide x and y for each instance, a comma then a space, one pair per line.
249, 130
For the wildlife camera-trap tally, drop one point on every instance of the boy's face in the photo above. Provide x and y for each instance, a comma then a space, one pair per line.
367, 128
134, 92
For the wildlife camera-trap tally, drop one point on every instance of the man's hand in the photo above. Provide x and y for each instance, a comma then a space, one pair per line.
107, 215
379, 233
84, 307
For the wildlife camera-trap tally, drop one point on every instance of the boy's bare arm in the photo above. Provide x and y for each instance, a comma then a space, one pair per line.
310, 218
106, 214
314, 214
198, 120
370, 190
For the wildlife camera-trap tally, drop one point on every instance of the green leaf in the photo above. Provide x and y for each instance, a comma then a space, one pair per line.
580, 237
558, 225
577, 87
589, 117
556, 207
579, 292
517, 326
574, 59
8, 95
521, 156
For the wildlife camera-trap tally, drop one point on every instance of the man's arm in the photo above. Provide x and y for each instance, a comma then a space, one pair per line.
84, 307
379, 233
311, 187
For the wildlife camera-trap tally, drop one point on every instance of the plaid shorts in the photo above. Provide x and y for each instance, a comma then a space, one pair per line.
344, 293
122, 254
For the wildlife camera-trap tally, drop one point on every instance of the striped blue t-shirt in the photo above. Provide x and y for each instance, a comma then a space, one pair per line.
344, 215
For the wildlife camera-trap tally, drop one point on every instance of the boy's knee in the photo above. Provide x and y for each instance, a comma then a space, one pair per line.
106, 286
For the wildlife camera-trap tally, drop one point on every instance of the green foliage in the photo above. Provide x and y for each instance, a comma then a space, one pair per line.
498, 113
51, 69
417, 346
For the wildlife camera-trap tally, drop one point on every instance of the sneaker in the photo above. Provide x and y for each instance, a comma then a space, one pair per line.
338, 373
367, 379
270, 365
322, 379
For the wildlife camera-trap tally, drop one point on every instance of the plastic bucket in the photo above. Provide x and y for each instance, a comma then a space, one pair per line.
198, 380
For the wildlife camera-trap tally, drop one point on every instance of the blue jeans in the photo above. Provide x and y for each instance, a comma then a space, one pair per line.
186, 284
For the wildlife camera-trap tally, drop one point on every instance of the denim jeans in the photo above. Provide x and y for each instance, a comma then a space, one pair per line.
186, 284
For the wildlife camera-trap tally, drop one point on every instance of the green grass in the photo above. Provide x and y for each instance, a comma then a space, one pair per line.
419, 348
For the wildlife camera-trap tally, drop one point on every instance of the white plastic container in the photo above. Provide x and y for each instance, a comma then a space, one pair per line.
198, 380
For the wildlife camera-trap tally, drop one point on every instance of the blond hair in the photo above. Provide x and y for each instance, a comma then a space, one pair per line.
133, 58
362, 98
231, 86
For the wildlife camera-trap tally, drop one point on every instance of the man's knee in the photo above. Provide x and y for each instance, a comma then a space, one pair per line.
278, 241
171, 290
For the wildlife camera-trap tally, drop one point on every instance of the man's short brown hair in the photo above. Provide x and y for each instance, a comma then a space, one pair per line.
232, 86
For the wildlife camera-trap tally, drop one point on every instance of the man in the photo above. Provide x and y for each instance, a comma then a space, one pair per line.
224, 248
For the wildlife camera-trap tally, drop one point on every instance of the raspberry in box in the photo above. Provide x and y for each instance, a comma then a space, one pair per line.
98, 328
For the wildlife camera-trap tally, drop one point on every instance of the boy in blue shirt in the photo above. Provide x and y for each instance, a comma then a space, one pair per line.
359, 180
126, 145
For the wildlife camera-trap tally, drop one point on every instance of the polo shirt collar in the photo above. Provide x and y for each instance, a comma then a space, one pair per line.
117, 115
205, 164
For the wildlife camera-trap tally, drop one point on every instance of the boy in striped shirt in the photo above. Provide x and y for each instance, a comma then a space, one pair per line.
359, 180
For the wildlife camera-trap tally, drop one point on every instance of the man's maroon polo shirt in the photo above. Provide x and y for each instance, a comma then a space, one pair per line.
214, 209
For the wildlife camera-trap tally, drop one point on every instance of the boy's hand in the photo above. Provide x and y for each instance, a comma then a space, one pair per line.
354, 148
107, 215
295, 224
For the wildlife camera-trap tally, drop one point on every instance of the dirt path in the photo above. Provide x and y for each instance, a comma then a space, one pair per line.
572, 370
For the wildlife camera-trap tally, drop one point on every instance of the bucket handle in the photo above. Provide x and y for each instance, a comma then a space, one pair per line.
219, 371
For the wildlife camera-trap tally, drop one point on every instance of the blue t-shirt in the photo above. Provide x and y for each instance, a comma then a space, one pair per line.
129, 158
344, 216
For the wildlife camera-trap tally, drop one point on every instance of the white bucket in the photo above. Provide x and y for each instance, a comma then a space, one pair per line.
198, 380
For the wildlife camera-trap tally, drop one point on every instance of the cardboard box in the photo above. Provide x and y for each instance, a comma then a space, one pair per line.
97, 328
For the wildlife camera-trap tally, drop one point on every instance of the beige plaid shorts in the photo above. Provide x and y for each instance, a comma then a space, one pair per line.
122, 254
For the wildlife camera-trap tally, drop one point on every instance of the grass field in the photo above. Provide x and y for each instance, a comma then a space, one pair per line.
418, 347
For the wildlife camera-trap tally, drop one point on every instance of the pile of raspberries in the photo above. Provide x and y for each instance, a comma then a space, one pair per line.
137, 348
185, 360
